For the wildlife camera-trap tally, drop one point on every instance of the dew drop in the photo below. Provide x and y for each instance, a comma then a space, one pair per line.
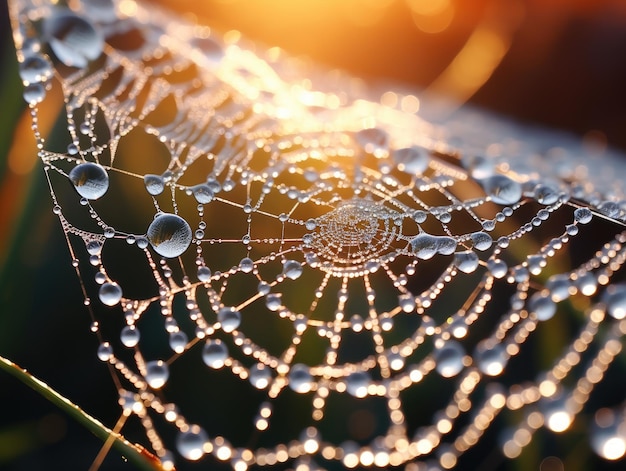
583, 215
372, 140
73, 39
449, 359
90, 180
615, 299
357, 383
157, 374
34, 93
105, 351
204, 273
260, 376
446, 245
491, 360
497, 268
542, 305
424, 246
130, 336
481, 240
178, 341
169, 235
190, 444
502, 189
154, 184
202, 193
413, 160
94, 247
273, 301
292, 269
229, 318
466, 261
35, 68
246, 265
300, 379
110, 293
214, 353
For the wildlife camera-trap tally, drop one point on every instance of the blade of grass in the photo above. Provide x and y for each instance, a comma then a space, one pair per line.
136, 454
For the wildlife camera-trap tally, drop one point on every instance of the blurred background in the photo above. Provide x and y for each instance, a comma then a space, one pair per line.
551, 63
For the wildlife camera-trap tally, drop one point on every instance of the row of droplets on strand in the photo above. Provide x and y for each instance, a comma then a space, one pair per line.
91, 179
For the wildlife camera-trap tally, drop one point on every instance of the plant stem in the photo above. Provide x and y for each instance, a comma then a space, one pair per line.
136, 454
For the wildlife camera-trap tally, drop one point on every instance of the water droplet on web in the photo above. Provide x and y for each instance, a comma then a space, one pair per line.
214, 353
478, 166
502, 189
424, 246
229, 318
446, 245
449, 359
292, 269
481, 240
202, 193
357, 383
34, 93
610, 209
583, 215
35, 68
169, 235
466, 261
491, 360
90, 180
94, 247
273, 301
542, 305
190, 444
300, 380
178, 341
497, 268
260, 376
204, 273
372, 140
157, 374
558, 286
545, 194
154, 184
412, 160
246, 265
129, 336
105, 351
110, 293
73, 39
615, 299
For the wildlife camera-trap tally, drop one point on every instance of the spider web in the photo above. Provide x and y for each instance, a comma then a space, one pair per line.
365, 286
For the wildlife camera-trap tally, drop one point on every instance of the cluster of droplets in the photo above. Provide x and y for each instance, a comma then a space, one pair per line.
282, 224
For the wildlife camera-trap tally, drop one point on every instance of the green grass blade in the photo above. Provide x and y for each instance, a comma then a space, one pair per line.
136, 454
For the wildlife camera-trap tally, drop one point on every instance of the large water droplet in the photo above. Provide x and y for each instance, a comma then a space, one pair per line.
260, 376
502, 189
102, 11
110, 293
467, 261
481, 240
178, 341
542, 305
129, 336
154, 184
157, 374
583, 215
300, 380
214, 353
229, 318
615, 299
413, 160
292, 269
190, 444
73, 39
446, 245
357, 383
202, 193
169, 235
90, 180
34, 93
373, 141
35, 68
491, 360
449, 359
424, 246
246, 265
204, 273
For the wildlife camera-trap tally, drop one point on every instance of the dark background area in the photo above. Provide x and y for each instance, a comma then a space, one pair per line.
566, 68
